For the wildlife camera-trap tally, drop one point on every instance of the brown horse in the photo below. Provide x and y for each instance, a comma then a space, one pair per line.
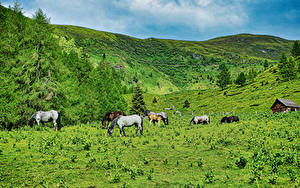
109, 116
155, 118
230, 119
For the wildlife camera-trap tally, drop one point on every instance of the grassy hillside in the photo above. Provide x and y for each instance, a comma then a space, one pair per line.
165, 66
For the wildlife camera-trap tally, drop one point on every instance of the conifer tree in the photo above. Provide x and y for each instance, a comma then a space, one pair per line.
223, 77
241, 79
138, 103
296, 50
186, 104
287, 67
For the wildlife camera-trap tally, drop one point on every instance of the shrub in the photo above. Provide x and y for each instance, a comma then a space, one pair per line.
241, 163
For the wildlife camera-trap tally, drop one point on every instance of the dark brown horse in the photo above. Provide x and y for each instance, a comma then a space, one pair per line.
230, 119
109, 116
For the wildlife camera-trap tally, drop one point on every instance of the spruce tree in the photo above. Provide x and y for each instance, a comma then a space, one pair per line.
296, 50
138, 103
241, 79
186, 104
223, 77
287, 67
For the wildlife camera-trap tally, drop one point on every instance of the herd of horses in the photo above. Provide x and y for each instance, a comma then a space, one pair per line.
119, 118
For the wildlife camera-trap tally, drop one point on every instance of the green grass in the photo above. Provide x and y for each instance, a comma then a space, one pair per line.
174, 62
172, 156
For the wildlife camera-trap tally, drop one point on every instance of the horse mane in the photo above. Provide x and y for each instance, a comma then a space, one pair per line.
114, 122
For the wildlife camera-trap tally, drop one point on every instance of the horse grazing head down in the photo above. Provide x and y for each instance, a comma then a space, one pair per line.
110, 116
31, 120
200, 119
230, 119
224, 120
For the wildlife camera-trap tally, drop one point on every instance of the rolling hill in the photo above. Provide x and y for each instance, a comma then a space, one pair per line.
165, 66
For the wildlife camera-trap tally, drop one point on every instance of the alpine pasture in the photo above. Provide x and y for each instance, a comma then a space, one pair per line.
84, 74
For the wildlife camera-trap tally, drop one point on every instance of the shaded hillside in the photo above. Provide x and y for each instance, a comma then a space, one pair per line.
177, 64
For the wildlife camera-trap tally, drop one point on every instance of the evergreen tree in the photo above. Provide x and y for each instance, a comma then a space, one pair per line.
266, 64
252, 74
296, 50
287, 67
39, 71
223, 77
138, 103
186, 104
241, 79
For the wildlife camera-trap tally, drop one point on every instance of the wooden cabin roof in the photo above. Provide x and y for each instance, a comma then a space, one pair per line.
287, 103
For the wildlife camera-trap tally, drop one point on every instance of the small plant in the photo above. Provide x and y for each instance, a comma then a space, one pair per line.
272, 179
149, 177
145, 142
209, 177
87, 146
165, 161
292, 175
73, 158
146, 161
116, 178
241, 163
140, 171
132, 174
200, 162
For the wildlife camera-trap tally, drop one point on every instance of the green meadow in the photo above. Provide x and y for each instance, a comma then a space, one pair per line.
262, 150
84, 73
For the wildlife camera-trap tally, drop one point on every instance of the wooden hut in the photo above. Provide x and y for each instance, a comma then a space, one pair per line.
283, 105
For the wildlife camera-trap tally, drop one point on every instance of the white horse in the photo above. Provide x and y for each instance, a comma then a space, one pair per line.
200, 119
47, 116
126, 121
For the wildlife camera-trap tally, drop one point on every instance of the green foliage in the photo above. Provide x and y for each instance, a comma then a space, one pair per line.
164, 66
138, 104
241, 163
287, 67
39, 74
241, 79
223, 77
295, 52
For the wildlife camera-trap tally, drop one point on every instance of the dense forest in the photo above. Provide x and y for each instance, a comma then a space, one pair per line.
42, 71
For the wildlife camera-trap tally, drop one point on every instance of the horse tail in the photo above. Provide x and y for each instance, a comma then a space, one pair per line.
191, 121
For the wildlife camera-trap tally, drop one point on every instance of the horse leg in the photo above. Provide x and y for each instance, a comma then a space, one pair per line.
159, 122
124, 133
141, 129
136, 129
54, 128
150, 122
121, 130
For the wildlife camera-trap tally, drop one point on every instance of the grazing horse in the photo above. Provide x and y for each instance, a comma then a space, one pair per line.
47, 116
155, 118
109, 116
163, 116
126, 121
200, 119
230, 119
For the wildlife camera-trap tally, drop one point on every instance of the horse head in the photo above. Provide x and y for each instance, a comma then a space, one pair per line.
31, 120
224, 120
110, 129
147, 112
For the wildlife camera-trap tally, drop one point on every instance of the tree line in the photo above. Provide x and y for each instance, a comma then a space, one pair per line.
288, 69
42, 71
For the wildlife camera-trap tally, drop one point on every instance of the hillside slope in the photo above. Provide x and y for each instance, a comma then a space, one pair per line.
165, 66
